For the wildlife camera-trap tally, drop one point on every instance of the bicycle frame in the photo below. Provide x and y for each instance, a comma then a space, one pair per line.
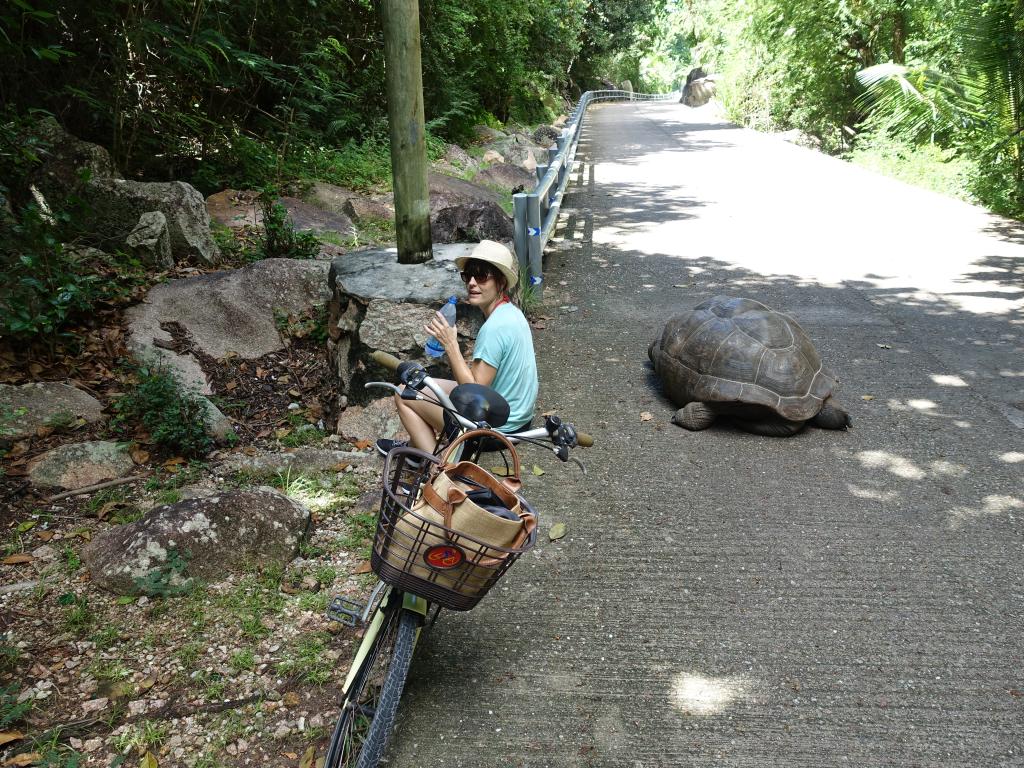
410, 602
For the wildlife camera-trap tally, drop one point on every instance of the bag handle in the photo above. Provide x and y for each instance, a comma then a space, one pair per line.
455, 495
513, 481
445, 507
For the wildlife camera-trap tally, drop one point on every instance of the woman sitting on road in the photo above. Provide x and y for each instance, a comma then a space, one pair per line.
503, 357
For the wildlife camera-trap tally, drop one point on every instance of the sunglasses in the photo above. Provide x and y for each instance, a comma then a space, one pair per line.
476, 272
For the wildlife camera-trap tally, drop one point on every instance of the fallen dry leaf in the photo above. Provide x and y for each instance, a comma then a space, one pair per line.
363, 567
362, 445
291, 699
307, 758
8, 736
139, 456
149, 761
557, 531
44, 535
18, 559
231, 385
537, 470
171, 463
290, 755
646, 416
867, 397
25, 758
341, 466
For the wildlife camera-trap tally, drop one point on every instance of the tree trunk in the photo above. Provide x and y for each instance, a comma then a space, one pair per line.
404, 79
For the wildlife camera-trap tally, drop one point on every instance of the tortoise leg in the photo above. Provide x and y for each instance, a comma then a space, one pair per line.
832, 416
694, 416
771, 427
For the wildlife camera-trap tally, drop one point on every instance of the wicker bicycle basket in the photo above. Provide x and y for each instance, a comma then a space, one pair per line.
409, 550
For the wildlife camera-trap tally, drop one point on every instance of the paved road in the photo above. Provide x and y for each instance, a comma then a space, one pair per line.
725, 599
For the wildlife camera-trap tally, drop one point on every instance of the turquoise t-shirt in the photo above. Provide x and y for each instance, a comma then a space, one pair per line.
504, 342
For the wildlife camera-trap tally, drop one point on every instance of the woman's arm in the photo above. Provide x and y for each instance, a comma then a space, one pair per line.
480, 373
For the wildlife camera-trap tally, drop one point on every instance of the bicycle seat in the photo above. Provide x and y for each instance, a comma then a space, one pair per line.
479, 403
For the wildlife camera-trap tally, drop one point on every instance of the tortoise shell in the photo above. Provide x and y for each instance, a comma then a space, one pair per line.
731, 350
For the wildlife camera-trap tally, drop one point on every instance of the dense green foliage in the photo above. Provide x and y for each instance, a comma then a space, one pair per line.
174, 418
931, 88
218, 90
246, 94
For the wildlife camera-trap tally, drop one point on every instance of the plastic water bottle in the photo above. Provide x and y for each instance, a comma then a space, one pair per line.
434, 348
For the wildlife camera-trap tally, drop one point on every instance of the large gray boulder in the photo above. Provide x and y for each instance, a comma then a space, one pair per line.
354, 205
306, 217
699, 88
546, 135
471, 222
150, 241
77, 465
66, 161
378, 304
231, 311
511, 178
44, 404
118, 204
235, 208
200, 538
446, 191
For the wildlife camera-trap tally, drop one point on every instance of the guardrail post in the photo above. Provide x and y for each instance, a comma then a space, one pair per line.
534, 225
520, 239
541, 170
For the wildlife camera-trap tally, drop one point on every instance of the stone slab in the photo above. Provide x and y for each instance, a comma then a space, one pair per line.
39, 404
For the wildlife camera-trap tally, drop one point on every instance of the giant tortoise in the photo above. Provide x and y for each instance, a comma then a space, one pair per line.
739, 359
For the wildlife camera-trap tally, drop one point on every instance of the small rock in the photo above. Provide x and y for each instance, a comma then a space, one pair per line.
45, 552
92, 745
282, 732
75, 743
95, 705
77, 465
137, 707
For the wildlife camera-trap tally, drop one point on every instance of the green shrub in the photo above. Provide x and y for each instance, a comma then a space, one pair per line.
11, 711
922, 165
279, 239
174, 418
43, 285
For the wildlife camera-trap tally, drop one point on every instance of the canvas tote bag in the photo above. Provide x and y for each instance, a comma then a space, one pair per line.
449, 535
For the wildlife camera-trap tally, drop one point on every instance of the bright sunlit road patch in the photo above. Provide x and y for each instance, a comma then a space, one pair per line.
949, 381
896, 465
1012, 457
991, 506
697, 695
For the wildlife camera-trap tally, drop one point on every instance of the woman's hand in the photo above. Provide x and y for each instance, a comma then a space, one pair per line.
448, 335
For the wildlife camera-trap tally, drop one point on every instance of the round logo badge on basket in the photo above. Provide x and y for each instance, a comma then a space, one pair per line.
444, 556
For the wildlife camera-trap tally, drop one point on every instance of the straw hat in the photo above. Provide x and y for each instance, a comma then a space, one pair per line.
496, 255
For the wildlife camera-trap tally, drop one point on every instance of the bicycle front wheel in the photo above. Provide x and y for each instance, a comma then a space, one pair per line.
369, 707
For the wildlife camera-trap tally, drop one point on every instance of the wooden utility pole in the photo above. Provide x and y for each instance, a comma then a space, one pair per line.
404, 78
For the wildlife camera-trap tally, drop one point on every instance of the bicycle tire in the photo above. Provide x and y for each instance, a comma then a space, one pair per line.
370, 705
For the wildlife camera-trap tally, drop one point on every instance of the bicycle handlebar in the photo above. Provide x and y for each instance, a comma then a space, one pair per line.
388, 361
414, 375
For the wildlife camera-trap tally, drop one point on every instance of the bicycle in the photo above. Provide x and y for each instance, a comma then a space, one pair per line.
407, 594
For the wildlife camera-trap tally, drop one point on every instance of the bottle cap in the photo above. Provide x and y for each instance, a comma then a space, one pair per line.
453, 299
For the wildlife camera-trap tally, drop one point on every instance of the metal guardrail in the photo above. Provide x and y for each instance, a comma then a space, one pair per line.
535, 213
